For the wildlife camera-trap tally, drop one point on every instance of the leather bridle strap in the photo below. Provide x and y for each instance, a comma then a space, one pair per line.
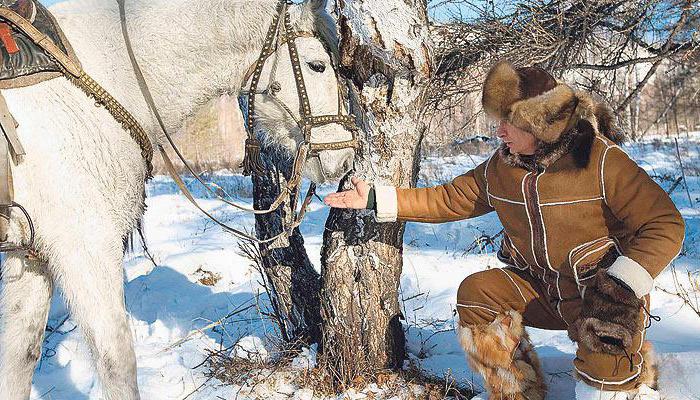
309, 121
285, 232
306, 120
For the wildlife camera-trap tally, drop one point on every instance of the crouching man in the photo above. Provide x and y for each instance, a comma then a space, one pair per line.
586, 233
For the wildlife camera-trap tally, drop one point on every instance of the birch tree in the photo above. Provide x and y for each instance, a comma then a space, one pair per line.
385, 54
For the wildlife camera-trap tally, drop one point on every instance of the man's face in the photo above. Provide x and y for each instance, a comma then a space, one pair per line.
517, 140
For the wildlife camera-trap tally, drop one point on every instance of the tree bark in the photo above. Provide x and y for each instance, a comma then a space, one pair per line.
388, 63
292, 282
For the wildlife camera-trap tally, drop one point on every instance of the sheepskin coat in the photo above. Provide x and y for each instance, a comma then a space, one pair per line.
578, 203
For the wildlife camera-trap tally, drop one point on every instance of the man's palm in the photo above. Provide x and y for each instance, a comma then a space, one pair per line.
355, 198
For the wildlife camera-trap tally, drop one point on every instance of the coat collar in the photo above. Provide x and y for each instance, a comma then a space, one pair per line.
548, 153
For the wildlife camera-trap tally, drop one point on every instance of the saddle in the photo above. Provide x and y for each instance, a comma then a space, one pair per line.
24, 61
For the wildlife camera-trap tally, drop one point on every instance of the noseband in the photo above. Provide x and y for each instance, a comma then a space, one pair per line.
277, 36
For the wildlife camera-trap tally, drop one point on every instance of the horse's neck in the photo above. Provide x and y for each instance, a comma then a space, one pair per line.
170, 39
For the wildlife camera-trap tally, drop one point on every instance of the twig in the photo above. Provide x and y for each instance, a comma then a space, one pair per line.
686, 301
680, 160
53, 330
674, 185
197, 389
146, 251
206, 328
48, 391
689, 296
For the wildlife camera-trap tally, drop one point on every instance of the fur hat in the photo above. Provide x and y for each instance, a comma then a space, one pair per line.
531, 99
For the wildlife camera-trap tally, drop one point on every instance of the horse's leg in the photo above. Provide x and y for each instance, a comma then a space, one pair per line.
24, 307
91, 277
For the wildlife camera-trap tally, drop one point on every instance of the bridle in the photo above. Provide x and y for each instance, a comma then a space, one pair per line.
277, 36
252, 164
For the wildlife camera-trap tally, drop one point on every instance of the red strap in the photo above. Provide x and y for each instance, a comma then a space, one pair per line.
7, 40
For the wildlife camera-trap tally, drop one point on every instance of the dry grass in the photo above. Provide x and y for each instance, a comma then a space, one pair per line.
277, 375
686, 287
207, 278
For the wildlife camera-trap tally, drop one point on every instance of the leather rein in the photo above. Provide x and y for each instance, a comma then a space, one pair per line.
252, 163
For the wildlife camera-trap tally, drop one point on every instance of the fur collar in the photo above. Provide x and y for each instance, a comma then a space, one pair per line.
575, 140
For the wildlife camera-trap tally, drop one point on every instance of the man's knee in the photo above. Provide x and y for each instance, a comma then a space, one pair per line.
475, 302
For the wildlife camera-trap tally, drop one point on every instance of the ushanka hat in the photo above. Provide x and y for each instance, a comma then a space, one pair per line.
531, 99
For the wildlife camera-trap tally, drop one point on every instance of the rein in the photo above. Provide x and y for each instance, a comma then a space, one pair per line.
252, 163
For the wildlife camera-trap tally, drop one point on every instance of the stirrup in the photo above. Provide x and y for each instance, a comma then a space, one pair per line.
6, 246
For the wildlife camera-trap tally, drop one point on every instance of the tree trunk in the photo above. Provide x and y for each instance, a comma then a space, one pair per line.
292, 282
388, 64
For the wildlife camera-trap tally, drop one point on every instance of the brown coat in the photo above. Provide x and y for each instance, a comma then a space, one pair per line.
582, 198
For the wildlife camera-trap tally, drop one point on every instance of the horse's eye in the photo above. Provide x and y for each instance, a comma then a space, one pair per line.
317, 66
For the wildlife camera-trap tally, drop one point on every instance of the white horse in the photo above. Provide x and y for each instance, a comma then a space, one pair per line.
82, 179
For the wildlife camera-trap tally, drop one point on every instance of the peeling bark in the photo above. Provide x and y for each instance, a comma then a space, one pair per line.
293, 283
385, 56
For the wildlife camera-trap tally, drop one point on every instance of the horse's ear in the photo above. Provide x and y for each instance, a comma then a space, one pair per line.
317, 4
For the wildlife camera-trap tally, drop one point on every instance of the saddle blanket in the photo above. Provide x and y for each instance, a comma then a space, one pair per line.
25, 63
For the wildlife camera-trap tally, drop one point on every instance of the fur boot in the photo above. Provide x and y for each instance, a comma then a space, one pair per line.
645, 390
502, 353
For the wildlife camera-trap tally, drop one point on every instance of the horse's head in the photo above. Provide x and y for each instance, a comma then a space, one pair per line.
277, 103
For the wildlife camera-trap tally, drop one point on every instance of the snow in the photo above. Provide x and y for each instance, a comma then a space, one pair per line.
250, 348
178, 308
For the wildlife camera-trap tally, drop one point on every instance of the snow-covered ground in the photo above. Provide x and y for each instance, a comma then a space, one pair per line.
201, 277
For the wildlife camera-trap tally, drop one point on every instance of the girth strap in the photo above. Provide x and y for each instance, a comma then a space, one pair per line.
9, 129
6, 189
10, 148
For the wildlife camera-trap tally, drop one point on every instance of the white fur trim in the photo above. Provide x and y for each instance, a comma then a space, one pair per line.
387, 203
633, 274
587, 392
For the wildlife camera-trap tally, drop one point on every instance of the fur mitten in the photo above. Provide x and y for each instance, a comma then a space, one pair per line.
609, 316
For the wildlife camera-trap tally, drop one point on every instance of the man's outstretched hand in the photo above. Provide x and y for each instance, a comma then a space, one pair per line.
356, 198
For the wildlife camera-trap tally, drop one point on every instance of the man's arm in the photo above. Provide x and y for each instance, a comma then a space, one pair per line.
464, 197
645, 208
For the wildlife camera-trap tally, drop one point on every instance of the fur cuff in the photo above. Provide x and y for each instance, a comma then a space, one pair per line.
609, 317
387, 204
633, 274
